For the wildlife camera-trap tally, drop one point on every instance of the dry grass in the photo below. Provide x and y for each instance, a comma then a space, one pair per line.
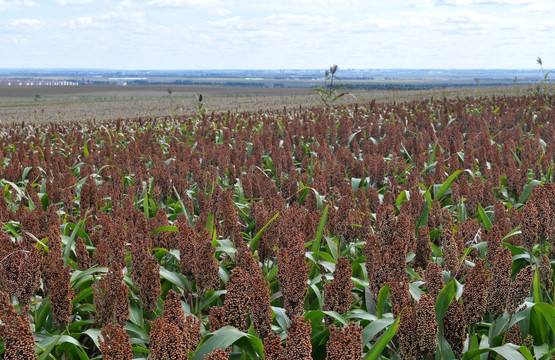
111, 102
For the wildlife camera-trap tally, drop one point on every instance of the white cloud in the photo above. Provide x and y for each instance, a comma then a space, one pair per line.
80, 23
204, 37
14, 5
184, 3
73, 2
472, 17
297, 33
293, 19
26, 23
274, 22
398, 23
487, 2
539, 7
105, 21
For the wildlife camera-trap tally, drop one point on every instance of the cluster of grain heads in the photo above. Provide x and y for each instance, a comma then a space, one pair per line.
344, 343
298, 345
281, 223
338, 292
237, 299
259, 305
146, 274
115, 343
293, 274
19, 269
111, 297
273, 348
474, 297
418, 329
15, 330
217, 354
173, 335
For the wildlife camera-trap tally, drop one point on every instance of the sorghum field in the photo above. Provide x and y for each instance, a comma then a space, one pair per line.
416, 230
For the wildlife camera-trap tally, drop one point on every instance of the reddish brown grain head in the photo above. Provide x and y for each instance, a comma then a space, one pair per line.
273, 349
217, 354
115, 343
474, 297
237, 299
298, 346
338, 296
344, 343
111, 298
15, 330
520, 289
500, 283
293, 275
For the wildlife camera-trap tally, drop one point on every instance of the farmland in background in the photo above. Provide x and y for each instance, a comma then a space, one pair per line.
419, 226
108, 102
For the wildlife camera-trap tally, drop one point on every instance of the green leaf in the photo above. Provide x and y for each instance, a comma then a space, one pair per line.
401, 198
515, 231
484, 217
42, 313
26, 172
172, 277
527, 354
20, 192
424, 216
527, 190
281, 317
145, 203
333, 247
382, 300
378, 347
507, 351
447, 184
318, 294
210, 297
72, 238
227, 336
94, 334
135, 314
78, 276
374, 328
335, 315
446, 295
49, 348
169, 228
254, 243
547, 355
85, 149
414, 289
136, 333
537, 287
73, 351
40, 244
184, 208
82, 295
320, 230
548, 313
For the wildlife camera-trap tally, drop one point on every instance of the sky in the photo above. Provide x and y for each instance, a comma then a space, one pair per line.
277, 34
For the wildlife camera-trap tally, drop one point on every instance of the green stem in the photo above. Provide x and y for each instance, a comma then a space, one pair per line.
506, 332
472, 329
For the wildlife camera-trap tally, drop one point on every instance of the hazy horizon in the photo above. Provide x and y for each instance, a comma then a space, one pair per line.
269, 35
530, 69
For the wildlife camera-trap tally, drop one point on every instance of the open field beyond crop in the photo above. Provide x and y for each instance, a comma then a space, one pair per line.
99, 102
391, 226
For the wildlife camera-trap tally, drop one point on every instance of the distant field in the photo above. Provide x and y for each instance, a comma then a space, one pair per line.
140, 91
46, 103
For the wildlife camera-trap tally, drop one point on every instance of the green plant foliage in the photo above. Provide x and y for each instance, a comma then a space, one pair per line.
288, 229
